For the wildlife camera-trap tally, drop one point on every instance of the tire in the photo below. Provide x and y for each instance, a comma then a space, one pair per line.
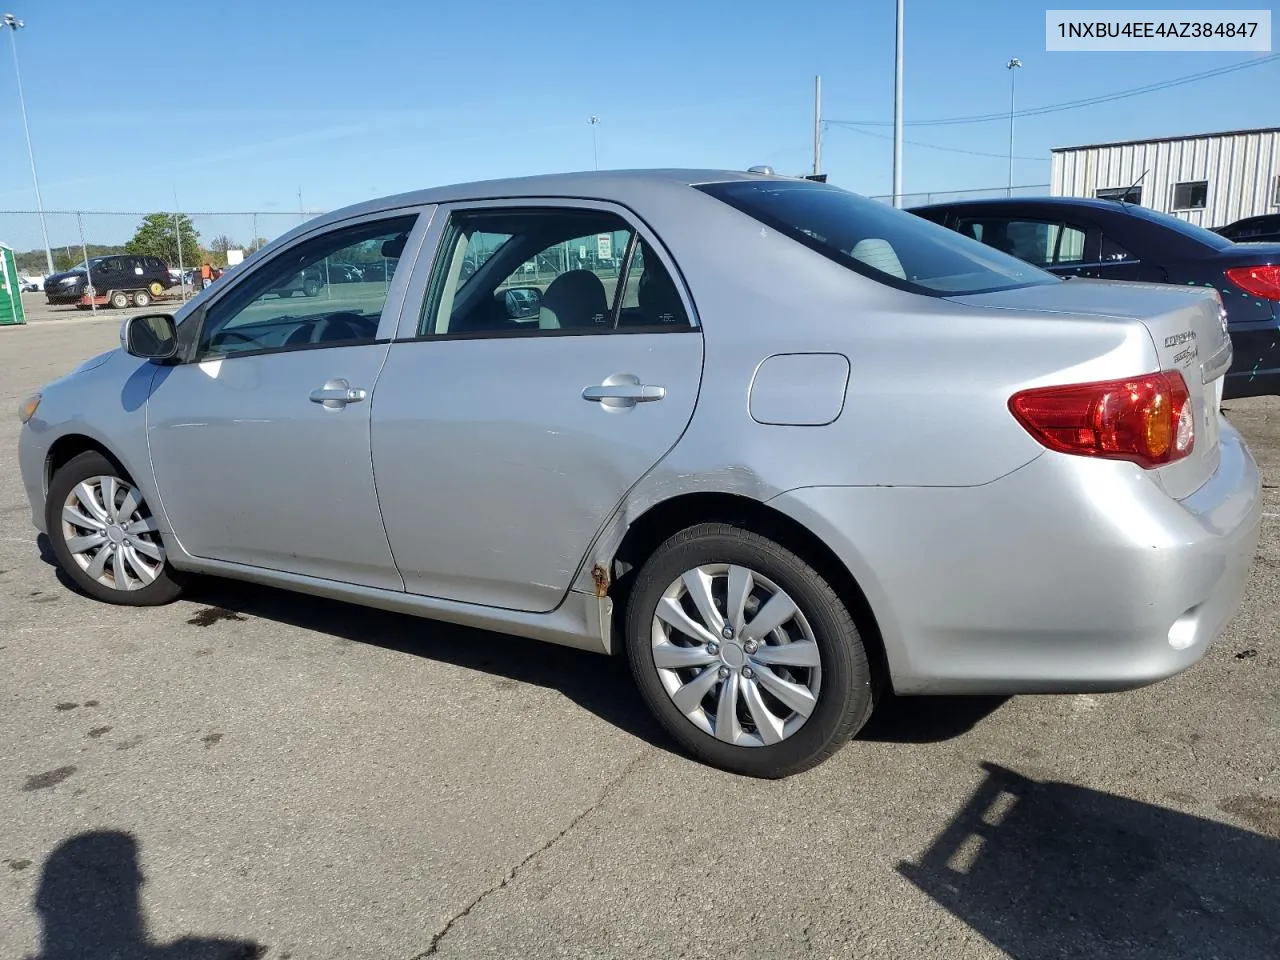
156, 288
310, 288
119, 299
80, 486
775, 746
141, 299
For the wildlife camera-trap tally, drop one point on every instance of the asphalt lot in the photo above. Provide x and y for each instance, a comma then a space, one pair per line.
254, 773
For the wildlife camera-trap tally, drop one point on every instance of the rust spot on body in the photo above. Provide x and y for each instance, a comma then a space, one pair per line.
600, 577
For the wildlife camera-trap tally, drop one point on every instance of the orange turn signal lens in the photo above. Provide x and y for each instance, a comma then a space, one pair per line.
27, 408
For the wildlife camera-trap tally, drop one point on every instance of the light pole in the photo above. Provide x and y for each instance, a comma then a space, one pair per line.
1013, 66
595, 156
14, 25
897, 113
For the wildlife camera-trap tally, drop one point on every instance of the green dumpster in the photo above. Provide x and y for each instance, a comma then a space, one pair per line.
10, 289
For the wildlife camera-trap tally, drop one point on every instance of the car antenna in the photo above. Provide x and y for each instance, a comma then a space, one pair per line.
1124, 197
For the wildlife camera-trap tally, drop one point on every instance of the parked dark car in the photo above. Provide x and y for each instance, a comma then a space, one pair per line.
1114, 240
308, 282
1264, 229
115, 272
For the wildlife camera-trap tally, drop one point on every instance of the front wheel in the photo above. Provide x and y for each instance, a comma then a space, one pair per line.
119, 299
141, 299
745, 653
105, 536
310, 288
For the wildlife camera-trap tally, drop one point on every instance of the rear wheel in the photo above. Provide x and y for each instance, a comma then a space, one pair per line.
745, 654
156, 288
119, 299
141, 298
104, 535
310, 288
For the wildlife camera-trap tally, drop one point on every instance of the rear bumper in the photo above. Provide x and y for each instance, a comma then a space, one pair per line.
1067, 575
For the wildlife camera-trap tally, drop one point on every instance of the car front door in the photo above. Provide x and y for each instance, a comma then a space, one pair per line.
260, 442
506, 429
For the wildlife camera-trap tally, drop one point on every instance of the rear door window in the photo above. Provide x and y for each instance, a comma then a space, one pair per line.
888, 245
1042, 242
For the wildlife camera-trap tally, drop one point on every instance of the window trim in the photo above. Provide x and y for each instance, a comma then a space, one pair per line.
435, 236
1173, 205
191, 328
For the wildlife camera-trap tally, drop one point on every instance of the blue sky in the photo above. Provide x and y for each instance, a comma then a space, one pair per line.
238, 105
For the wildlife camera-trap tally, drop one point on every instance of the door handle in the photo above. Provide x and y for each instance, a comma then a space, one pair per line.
637, 393
337, 393
623, 390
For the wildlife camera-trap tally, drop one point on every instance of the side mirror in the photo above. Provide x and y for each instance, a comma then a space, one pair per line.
152, 336
522, 302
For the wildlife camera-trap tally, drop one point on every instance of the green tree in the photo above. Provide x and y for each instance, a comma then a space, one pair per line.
257, 244
157, 236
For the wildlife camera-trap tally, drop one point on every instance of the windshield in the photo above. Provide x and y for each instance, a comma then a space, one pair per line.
84, 263
888, 245
1188, 230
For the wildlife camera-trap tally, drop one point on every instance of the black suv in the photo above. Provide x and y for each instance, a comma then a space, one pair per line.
116, 272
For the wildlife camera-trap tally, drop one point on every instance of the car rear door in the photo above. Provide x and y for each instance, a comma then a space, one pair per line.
504, 436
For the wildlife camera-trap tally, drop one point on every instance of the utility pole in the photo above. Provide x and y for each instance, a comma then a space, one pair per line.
1013, 66
14, 25
817, 125
595, 156
897, 114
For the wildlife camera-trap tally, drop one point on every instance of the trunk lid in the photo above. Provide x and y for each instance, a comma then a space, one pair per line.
1188, 329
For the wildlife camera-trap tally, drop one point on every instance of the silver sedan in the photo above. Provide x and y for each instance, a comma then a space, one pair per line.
784, 447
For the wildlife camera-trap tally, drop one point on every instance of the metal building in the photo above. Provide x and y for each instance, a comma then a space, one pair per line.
1211, 179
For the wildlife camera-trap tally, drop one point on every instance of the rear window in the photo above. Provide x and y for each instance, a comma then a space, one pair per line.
1189, 230
888, 245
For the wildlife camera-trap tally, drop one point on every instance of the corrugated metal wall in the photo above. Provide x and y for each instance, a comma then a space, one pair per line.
1241, 170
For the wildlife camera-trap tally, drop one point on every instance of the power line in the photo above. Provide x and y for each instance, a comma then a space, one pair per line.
931, 146
1073, 104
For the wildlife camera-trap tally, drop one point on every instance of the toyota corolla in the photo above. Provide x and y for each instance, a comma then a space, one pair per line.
783, 446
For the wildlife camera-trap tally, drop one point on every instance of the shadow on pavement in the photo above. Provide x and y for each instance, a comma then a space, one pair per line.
89, 906
602, 685
927, 719
46, 554
596, 683
1044, 869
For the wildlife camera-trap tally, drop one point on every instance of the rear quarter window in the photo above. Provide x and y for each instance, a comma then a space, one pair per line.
888, 245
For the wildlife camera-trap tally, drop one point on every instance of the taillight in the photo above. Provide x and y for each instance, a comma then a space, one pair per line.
1261, 281
1147, 419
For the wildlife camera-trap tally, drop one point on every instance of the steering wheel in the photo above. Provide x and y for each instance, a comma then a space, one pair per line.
337, 326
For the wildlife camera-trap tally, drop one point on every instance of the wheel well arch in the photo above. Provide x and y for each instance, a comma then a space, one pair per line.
67, 447
663, 520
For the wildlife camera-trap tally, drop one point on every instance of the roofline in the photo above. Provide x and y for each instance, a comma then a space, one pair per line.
1192, 136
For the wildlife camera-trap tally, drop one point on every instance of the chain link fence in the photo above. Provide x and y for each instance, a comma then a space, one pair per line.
73, 235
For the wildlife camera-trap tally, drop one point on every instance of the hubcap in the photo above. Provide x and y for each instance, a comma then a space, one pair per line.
110, 535
736, 655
